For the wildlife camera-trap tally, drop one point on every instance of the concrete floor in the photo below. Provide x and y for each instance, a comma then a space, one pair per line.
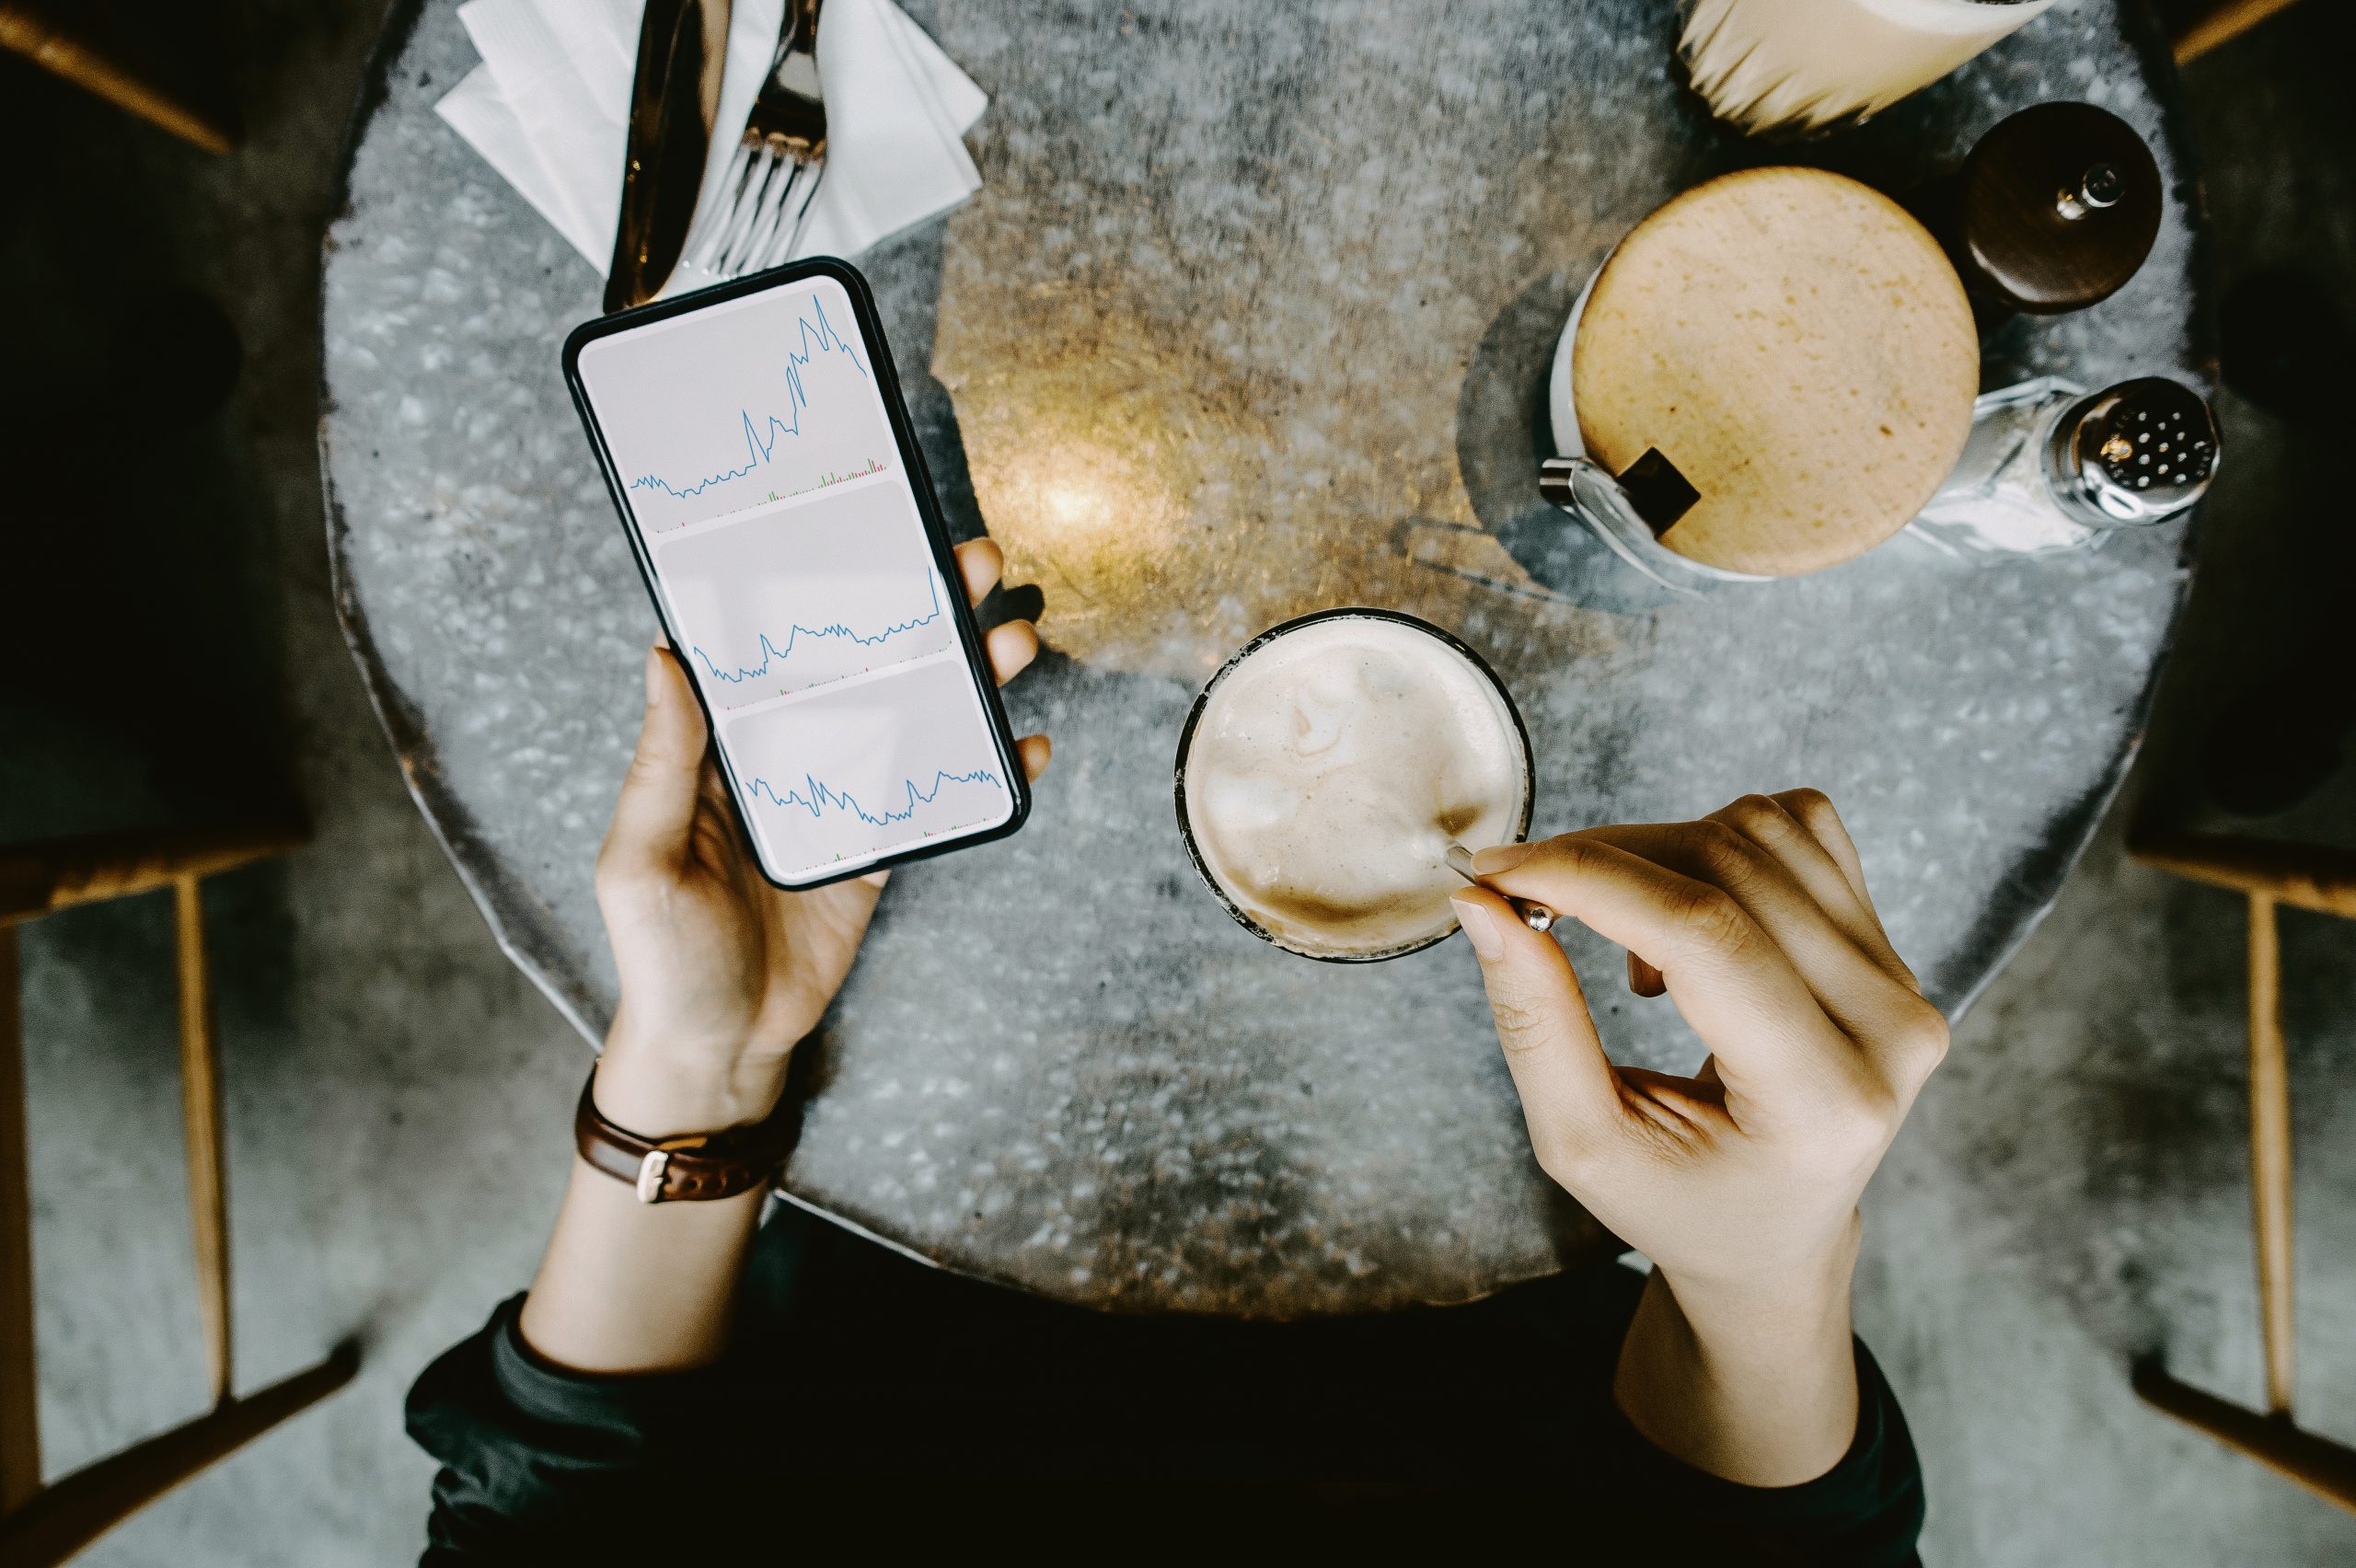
2071, 1192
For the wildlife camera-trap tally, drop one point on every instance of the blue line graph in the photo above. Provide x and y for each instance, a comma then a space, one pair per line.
851, 768
821, 796
761, 437
774, 652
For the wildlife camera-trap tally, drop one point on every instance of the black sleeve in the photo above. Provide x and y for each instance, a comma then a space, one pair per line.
541, 1464
536, 1459
1865, 1511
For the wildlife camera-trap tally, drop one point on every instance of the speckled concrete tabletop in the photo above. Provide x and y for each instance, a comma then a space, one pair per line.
1251, 317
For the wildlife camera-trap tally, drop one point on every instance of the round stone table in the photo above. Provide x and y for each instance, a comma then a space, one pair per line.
1251, 316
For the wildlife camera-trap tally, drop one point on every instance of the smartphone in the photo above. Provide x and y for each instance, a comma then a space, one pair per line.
756, 444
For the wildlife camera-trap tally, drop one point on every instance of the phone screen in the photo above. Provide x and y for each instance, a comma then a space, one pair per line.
756, 454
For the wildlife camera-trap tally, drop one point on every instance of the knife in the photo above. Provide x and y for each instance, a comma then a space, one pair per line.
682, 48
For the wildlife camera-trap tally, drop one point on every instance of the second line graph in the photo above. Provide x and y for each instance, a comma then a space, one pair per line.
776, 651
781, 603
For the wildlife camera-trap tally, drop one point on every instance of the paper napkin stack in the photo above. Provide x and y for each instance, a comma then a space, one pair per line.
549, 105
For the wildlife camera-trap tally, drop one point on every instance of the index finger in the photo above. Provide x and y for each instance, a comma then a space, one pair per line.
1813, 809
1734, 985
980, 563
1767, 822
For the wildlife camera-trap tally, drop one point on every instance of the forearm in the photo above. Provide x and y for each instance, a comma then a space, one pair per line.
630, 1286
627, 1286
1758, 1385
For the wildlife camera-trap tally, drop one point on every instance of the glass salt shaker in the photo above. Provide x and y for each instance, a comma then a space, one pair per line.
2050, 467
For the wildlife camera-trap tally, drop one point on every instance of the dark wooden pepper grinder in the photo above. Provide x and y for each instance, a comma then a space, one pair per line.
2053, 211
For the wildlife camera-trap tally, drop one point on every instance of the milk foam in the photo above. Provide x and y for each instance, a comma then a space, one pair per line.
1331, 769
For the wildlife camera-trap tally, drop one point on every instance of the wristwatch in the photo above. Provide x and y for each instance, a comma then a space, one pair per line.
693, 1167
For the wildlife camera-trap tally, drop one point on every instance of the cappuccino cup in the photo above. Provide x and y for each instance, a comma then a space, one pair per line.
1327, 766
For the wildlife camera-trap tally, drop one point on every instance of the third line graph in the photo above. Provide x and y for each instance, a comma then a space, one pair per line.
817, 797
870, 766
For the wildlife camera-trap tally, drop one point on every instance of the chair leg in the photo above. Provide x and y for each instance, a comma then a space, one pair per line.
2270, 1153
19, 1383
2226, 22
71, 1513
53, 51
208, 1196
2323, 1467
2317, 1463
2306, 876
36, 879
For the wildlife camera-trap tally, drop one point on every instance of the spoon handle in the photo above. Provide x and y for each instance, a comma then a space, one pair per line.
1535, 916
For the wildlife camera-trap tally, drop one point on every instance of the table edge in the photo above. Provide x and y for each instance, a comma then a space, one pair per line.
513, 916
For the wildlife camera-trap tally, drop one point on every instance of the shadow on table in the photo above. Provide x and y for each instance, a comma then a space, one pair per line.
905, 275
1504, 430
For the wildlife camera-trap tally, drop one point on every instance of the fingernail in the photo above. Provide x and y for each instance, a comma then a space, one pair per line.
653, 674
1480, 927
1500, 857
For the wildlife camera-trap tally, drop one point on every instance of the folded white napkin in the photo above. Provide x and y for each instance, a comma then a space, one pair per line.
548, 107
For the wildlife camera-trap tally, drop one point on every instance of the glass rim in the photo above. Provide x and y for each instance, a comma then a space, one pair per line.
1284, 629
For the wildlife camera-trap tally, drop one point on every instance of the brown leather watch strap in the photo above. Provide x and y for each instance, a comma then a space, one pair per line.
694, 1167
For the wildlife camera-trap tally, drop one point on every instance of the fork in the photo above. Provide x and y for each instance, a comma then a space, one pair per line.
775, 172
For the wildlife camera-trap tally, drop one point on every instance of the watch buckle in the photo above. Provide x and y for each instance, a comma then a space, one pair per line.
650, 1175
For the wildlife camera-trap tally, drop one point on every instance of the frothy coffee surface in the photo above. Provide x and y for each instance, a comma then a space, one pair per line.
1329, 773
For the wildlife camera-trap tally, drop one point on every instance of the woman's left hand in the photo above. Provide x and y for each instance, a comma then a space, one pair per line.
722, 973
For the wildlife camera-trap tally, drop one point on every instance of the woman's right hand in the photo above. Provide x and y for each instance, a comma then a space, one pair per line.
1741, 1183
1755, 921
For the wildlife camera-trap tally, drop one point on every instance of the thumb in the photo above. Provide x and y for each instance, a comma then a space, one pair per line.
658, 800
1569, 1094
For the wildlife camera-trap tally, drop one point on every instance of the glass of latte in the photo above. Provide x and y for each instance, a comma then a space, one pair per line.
1328, 765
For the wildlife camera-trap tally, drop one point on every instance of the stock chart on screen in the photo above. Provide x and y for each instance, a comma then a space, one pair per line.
760, 470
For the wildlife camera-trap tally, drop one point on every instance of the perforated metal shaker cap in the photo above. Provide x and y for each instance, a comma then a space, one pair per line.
2132, 454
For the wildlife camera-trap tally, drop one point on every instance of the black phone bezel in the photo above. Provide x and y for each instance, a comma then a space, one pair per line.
919, 479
